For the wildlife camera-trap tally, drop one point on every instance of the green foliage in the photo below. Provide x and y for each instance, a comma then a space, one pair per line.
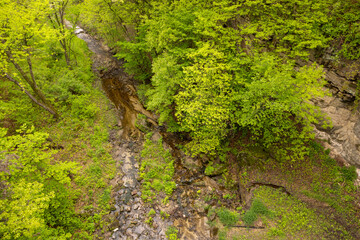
67, 87
157, 170
24, 33
151, 212
349, 173
293, 218
222, 234
290, 27
83, 108
249, 218
204, 85
36, 187
28, 200
149, 221
257, 208
344, 27
171, 233
227, 217
164, 215
209, 169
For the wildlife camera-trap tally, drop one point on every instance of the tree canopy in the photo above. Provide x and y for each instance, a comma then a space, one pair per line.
218, 67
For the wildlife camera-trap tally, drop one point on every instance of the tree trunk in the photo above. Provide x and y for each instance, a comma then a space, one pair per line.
44, 106
32, 84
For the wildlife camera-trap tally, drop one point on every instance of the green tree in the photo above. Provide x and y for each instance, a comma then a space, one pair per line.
23, 31
290, 27
57, 19
207, 82
33, 187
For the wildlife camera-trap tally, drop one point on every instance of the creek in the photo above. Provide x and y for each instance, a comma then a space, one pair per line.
185, 207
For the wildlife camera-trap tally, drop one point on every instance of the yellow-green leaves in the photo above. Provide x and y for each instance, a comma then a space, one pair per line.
31, 178
22, 28
204, 99
22, 213
274, 104
213, 73
290, 27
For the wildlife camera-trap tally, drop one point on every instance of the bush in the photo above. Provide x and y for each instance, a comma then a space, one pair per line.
250, 217
349, 173
227, 217
257, 208
157, 170
83, 108
171, 233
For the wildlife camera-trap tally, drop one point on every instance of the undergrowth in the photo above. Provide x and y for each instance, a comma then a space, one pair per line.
80, 135
157, 170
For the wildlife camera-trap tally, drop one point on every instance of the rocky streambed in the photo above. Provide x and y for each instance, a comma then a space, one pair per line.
130, 213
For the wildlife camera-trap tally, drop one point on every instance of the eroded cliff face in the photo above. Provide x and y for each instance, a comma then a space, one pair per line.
343, 139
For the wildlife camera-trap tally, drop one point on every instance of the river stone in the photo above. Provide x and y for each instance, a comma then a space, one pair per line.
129, 231
192, 164
127, 208
199, 206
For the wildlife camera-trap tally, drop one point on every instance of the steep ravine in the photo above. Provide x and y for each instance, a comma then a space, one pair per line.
186, 208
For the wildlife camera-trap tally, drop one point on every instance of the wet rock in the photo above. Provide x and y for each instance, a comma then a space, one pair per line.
136, 206
156, 137
193, 164
113, 225
199, 206
214, 231
210, 183
343, 139
129, 231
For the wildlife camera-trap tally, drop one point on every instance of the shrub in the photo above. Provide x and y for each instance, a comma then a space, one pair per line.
227, 217
83, 108
257, 208
171, 233
349, 173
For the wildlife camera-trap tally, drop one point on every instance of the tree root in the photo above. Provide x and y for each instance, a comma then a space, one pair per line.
256, 184
248, 191
243, 226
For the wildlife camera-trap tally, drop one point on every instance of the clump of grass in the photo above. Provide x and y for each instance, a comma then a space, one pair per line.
227, 217
151, 212
257, 208
171, 233
293, 217
249, 218
349, 173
